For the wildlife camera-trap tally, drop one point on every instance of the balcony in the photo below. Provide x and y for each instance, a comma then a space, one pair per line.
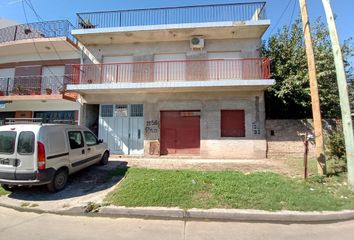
131, 25
34, 88
20, 39
166, 75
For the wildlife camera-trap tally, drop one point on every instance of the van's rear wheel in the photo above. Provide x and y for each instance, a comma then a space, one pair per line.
59, 181
104, 159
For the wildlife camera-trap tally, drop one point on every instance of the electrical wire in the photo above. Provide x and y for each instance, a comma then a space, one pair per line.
34, 43
281, 16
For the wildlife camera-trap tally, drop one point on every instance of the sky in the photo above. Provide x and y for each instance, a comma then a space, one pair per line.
67, 9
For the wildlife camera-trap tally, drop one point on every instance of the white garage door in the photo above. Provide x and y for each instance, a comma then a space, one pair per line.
121, 126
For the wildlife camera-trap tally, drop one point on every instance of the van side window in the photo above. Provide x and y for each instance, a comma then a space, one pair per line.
90, 138
25, 144
76, 140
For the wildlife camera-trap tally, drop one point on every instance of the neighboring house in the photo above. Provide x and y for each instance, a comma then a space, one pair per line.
179, 81
33, 73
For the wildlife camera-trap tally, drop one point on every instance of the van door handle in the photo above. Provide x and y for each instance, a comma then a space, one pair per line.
83, 151
88, 149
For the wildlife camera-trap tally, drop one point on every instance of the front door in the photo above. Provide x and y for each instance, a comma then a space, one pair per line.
121, 127
77, 151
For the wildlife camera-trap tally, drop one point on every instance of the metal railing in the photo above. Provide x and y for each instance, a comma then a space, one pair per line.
32, 85
172, 15
49, 29
170, 71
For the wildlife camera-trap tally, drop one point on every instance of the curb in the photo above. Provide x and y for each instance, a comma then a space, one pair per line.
216, 215
225, 215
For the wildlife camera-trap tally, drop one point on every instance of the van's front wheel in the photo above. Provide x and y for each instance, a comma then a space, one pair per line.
59, 181
105, 158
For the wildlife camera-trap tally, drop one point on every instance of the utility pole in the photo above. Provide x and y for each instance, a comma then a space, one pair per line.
343, 92
316, 112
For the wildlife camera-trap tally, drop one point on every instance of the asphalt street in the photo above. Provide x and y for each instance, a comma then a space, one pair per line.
16, 225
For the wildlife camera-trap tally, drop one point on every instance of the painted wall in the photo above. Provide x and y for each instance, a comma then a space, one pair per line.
210, 104
248, 48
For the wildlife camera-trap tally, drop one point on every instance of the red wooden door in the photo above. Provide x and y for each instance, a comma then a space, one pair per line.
180, 132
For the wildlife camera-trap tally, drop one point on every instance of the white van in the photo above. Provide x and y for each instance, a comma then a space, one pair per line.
39, 154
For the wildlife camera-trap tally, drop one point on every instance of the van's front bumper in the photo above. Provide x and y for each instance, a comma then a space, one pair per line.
28, 178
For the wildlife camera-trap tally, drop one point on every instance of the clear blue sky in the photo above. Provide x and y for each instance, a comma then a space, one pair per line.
66, 9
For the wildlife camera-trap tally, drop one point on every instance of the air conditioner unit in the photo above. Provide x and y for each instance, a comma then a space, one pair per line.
197, 43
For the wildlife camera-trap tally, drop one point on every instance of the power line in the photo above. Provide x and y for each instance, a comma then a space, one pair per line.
281, 16
34, 43
30, 5
292, 15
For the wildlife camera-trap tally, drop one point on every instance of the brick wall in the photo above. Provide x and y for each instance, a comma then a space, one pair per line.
285, 137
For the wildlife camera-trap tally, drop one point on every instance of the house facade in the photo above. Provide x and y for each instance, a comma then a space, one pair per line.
182, 81
33, 72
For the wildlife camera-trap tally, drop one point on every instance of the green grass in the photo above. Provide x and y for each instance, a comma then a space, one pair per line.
3, 191
229, 189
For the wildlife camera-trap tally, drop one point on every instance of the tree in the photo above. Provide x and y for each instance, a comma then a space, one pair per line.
290, 96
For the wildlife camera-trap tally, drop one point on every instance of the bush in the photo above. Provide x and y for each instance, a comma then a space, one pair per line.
335, 147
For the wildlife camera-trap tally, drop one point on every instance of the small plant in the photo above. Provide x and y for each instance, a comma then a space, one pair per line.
335, 147
48, 91
18, 89
92, 207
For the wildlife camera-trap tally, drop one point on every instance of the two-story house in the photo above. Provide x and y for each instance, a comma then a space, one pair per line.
33, 73
179, 81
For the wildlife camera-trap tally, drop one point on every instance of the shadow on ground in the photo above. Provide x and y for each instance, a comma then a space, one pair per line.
87, 181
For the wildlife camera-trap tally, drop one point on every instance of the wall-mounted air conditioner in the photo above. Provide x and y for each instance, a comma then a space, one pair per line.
197, 43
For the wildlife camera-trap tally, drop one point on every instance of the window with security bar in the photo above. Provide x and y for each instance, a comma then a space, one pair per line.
137, 110
121, 110
106, 110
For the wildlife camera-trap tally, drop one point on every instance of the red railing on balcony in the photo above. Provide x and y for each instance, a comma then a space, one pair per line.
170, 71
32, 85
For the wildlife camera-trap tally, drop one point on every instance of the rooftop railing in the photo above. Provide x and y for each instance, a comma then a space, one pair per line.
170, 71
50, 29
172, 15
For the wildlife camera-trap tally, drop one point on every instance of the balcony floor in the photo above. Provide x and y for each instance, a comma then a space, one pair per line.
172, 32
42, 45
67, 96
185, 86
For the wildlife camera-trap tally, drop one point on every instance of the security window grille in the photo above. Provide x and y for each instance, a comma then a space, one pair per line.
107, 111
122, 110
137, 110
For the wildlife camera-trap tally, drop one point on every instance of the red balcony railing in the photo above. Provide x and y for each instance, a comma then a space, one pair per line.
32, 85
170, 71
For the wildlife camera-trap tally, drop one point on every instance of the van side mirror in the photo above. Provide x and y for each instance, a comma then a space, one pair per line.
100, 141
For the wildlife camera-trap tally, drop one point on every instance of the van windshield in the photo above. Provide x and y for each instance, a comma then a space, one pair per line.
7, 142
